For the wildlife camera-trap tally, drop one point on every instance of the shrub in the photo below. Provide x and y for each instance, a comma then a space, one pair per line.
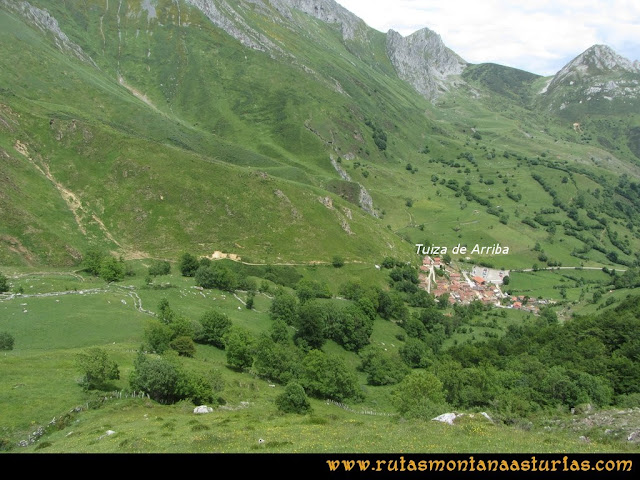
203, 389
337, 261
161, 378
188, 265
239, 345
6, 341
157, 336
4, 283
184, 346
215, 326
97, 369
327, 376
419, 395
293, 399
112, 270
159, 267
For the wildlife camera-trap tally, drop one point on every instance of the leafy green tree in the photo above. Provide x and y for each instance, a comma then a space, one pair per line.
415, 328
203, 388
157, 336
159, 267
92, 261
97, 369
4, 283
239, 344
415, 353
309, 289
311, 326
419, 395
216, 276
112, 270
337, 261
160, 377
382, 368
324, 376
443, 300
293, 399
165, 313
350, 327
278, 362
184, 346
188, 265
279, 332
250, 301
215, 325
284, 307
6, 341
182, 327
352, 290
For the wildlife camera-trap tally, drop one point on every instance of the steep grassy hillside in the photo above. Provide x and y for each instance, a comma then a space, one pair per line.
155, 132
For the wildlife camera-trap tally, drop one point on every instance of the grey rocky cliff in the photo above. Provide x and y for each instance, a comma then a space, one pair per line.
422, 60
43, 20
222, 14
327, 11
229, 17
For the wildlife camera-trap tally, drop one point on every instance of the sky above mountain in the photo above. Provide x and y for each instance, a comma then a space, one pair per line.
539, 36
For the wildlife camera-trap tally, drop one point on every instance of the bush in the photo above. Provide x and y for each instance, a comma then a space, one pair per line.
216, 276
327, 376
284, 307
184, 346
203, 389
293, 399
97, 369
382, 368
4, 283
6, 341
188, 265
159, 267
239, 345
337, 261
419, 395
278, 362
157, 336
161, 378
92, 261
112, 270
215, 326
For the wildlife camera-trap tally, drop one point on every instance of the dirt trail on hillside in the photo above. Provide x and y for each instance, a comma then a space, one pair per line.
71, 199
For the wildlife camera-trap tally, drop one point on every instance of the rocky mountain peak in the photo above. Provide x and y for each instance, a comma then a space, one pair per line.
595, 61
423, 60
597, 75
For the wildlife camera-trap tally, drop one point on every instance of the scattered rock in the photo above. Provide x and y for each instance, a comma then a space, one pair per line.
584, 439
446, 418
634, 437
202, 409
486, 415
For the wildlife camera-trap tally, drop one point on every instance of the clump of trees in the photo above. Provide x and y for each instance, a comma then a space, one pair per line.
166, 381
159, 267
99, 264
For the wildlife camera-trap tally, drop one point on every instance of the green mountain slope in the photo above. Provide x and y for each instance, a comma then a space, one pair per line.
284, 132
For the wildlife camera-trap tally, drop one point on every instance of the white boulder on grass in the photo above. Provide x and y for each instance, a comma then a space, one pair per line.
202, 409
446, 418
